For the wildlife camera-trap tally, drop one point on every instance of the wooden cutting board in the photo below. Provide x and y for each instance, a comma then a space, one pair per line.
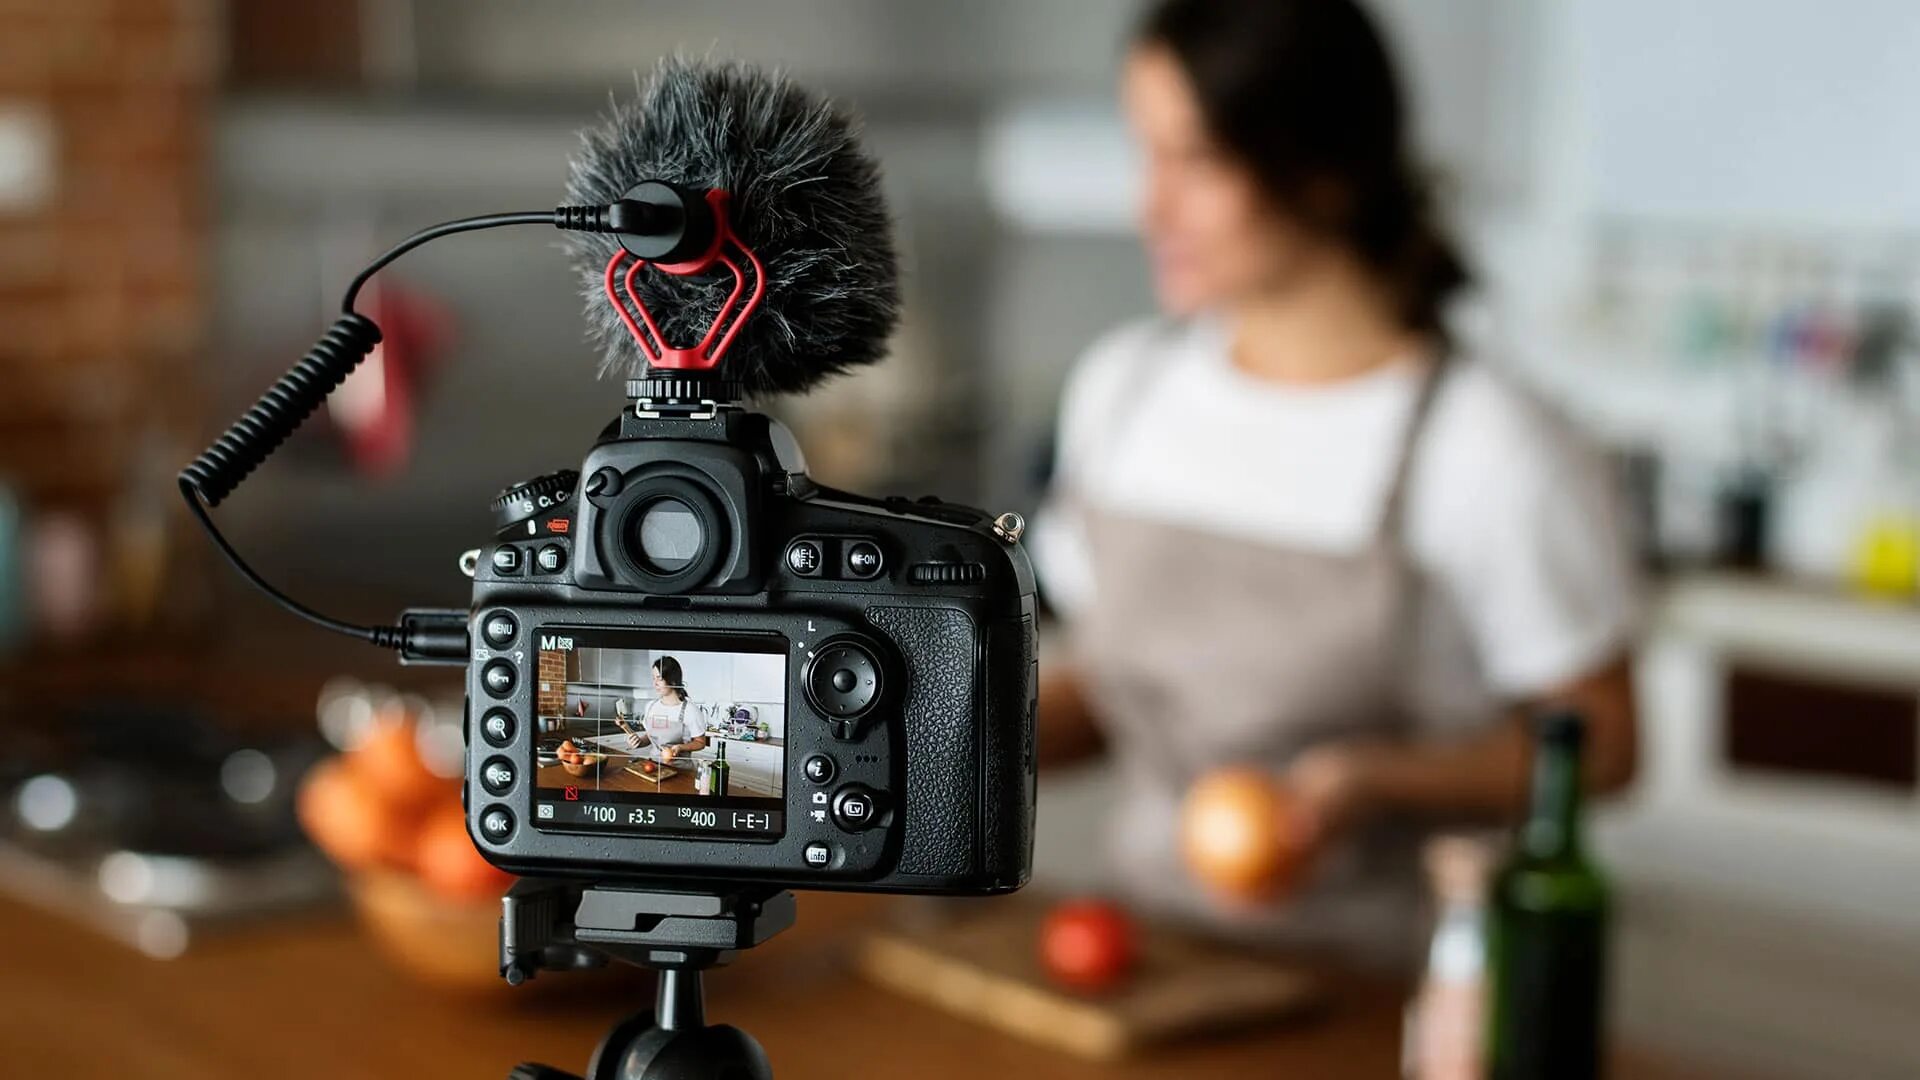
987, 968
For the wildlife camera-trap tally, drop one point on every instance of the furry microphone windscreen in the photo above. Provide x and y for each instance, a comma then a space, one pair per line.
805, 197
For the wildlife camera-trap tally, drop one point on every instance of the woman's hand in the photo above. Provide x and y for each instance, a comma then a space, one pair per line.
633, 740
1330, 793
668, 753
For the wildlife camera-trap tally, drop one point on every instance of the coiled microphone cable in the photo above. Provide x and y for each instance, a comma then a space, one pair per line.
287, 404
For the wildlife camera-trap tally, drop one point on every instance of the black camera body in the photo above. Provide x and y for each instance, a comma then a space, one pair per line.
692, 663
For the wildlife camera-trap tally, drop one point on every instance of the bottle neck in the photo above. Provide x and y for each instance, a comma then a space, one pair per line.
1552, 829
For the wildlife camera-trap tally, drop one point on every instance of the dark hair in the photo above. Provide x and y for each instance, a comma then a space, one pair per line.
1305, 93
669, 671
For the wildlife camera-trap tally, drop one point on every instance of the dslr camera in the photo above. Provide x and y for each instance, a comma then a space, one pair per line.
689, 660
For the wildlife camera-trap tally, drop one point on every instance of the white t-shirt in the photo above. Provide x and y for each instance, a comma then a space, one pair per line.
1512, 523
669, 725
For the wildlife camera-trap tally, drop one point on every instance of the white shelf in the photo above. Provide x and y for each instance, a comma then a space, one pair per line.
1800, 627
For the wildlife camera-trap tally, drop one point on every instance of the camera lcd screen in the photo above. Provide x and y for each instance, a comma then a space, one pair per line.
661, 733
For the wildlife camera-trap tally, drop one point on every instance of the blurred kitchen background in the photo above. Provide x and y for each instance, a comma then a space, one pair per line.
1697, 225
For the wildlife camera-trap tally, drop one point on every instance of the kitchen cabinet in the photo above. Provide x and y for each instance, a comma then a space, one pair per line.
757, 764
1776, 803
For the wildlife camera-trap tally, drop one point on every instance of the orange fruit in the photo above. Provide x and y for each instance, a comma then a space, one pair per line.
1240, 834
449, 863
389, 760
347, 818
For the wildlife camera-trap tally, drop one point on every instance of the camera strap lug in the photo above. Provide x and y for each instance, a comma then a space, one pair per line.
1009, 527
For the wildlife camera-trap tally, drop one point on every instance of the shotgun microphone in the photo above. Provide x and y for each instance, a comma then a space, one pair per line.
783, 171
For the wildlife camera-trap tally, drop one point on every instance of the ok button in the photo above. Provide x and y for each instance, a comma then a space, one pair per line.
855, 807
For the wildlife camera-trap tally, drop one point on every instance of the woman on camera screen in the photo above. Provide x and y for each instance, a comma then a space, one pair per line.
1297, 529
671, 724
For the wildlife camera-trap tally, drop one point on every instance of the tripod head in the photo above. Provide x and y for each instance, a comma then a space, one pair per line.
565, 926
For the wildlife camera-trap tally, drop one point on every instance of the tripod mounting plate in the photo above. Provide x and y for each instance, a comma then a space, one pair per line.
559, 925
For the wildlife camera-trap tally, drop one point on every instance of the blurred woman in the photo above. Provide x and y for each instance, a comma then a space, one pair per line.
671, 725
1296, 528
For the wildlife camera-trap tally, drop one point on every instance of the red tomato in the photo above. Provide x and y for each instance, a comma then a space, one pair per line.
1088, 945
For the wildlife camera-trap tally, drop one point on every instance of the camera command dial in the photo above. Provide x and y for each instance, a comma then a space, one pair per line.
533, 497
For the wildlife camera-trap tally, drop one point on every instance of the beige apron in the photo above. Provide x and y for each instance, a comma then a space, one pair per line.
1201, 651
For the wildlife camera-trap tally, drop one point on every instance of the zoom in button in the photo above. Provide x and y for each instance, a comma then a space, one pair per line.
497, 727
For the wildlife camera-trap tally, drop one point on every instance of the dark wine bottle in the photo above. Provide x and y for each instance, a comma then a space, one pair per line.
1547, 932
717, 771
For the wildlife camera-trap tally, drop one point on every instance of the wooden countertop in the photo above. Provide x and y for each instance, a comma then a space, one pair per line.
294, 1000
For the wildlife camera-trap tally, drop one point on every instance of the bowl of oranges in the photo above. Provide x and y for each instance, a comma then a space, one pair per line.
386, 810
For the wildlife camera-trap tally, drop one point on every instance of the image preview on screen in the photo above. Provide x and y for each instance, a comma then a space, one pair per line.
633, 724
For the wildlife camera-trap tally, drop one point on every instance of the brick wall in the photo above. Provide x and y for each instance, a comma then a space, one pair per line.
103, 304
551, 698
101, 278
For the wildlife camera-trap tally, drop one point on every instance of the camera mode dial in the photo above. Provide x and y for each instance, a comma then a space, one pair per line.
532, 498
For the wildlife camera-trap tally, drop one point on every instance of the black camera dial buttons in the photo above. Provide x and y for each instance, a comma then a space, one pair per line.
843, 679
497, 727
855, 807
506, 560
499, 629
497, 775
863, 559
496, 824
947, 573
819, 768
498, 678
818, 854
804, 557
550, 559
533, 498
